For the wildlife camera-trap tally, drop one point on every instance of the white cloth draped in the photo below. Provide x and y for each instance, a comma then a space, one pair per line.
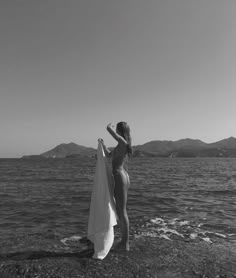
102, 215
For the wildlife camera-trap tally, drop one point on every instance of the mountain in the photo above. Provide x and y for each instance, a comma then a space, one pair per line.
167, 147
189, 144
180, 148
64, 150
187, 148
229, 143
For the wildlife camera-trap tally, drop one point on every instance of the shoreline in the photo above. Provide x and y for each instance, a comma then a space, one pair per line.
151, 255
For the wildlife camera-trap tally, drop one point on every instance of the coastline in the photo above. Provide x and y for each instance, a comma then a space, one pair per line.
150, 256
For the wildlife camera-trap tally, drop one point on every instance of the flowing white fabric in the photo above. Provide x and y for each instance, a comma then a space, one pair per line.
102, 215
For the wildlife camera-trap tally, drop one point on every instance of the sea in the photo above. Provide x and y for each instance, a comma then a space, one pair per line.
47, 200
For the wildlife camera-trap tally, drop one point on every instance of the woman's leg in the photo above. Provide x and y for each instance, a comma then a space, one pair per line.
120, 194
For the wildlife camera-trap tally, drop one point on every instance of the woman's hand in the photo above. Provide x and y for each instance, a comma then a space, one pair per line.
110, 126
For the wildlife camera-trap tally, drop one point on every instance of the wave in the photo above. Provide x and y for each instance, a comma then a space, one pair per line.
177, 228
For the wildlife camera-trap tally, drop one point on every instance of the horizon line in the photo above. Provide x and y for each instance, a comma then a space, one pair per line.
164, 140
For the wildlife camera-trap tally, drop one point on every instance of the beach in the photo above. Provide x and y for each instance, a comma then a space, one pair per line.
151, 255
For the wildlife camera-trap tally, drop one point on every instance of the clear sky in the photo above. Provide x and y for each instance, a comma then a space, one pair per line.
68, 68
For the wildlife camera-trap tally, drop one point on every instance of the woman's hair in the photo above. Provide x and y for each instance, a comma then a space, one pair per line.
124, 131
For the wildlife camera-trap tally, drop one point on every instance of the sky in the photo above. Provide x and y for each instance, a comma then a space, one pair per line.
70, 67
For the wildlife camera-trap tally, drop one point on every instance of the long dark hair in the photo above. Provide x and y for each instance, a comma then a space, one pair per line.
124, 131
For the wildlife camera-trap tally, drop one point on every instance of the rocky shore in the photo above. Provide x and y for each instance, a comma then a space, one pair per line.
173, 254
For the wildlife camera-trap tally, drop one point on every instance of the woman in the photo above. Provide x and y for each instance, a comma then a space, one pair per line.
119, 155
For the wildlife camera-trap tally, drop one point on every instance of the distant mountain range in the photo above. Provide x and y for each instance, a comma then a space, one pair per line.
180, 148
188, 148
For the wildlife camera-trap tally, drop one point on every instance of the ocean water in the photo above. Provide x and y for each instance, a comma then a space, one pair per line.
51, 197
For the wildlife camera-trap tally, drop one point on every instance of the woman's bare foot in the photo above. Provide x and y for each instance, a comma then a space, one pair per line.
122, 246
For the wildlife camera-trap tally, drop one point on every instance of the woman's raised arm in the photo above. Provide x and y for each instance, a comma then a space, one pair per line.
114, 134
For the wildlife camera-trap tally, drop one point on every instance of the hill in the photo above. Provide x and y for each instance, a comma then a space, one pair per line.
229, 143
163, 147
187, 148
180, 148
64, 150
